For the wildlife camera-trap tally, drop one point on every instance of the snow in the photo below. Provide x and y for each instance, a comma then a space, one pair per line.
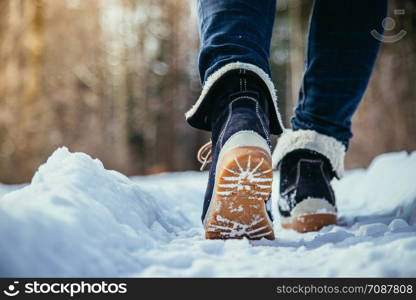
76, 218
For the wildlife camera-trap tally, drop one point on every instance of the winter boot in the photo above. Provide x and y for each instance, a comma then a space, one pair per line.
308, 161
237, 198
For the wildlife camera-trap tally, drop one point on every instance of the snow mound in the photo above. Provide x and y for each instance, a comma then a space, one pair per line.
386, 189
78, 219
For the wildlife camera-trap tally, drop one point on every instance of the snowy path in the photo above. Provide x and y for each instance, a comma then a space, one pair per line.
78, 219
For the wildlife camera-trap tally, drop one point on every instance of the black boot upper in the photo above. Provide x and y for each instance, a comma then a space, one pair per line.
235, 109
304, 174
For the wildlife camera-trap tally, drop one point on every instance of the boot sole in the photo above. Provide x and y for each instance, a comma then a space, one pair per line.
309, 223
310, 214
243, 183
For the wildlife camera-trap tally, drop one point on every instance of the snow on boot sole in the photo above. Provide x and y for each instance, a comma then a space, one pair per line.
310, 215
243, 183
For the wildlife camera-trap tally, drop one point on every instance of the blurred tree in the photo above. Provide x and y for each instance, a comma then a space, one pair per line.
113, 78
161, 86
50, 53
299, 11
22, 53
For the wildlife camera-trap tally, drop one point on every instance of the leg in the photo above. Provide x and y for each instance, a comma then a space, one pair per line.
235, 36
234, 30
238, 105
339, 60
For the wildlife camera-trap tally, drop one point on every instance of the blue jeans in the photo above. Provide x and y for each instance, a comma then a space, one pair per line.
339, 60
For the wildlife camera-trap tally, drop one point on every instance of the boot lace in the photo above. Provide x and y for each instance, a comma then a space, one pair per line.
205, 155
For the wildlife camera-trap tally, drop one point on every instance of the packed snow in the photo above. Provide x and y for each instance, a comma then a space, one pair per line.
76, 218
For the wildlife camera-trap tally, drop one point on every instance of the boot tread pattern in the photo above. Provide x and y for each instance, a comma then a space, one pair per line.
243, 185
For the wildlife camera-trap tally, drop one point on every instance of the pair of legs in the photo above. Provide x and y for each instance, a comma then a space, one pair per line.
238, 104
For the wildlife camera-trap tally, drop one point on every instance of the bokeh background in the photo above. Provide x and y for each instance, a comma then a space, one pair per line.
113, 78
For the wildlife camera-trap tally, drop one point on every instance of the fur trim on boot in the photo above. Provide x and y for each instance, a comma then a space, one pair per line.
309, 139
197, 116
